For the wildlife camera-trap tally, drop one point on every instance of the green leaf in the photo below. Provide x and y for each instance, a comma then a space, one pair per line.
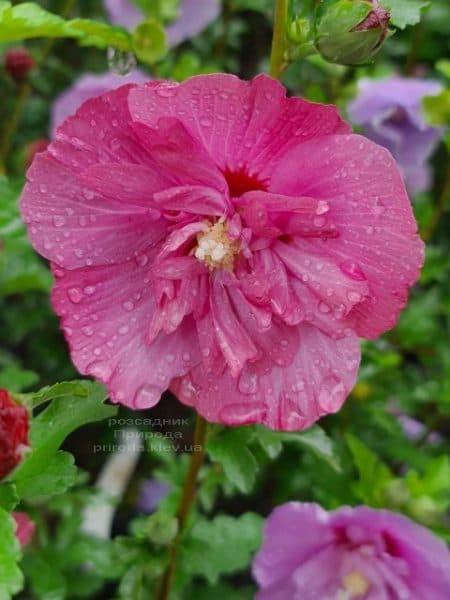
21, 270
60, 390
67, 412
437, 108
443, 66
149, 41
222, 546
374, 476
100, 35
405, 12
29, 20
160, 528
316, 440
74, 404
8, 496
11, 578
229, 449
46, 580
43, 475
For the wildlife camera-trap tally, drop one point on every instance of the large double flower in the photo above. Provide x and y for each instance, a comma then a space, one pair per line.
219, 239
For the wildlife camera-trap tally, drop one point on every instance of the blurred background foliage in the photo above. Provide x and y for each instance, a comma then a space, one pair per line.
389, 445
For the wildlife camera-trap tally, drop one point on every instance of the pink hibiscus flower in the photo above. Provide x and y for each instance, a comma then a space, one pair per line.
220, 239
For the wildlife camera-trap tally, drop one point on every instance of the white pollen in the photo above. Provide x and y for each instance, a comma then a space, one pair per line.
215, 247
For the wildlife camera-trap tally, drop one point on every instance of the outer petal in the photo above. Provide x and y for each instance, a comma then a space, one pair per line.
378, 97
239, 123
372, 213
195, 16
292, 397
75, 225
105, 313
294, 533
124, 13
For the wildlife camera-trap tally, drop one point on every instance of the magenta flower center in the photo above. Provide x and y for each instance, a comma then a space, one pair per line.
240, 182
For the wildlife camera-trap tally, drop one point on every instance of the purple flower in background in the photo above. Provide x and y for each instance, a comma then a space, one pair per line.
195, 16
89, 86
151, 493
390, 112
415, 430
351, 553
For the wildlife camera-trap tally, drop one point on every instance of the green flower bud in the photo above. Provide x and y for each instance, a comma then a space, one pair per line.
350, 32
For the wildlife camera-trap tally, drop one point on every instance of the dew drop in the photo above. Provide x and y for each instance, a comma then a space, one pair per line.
100, 370
147, 396
128, 305
59, 221
120, 62
75, 295
243, 414
167, 90
141, 260
123, 329
352, 270
354, 296
89, 290
324, 308
205, 122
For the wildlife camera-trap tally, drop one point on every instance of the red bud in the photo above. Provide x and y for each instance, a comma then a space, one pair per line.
13, 433
18, 63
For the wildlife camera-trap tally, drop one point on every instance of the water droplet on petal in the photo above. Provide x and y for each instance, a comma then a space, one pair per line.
128, 305
354, 296
59, 221
167, 90
205, 122
123, 329
243, 414
100, 370
352, 270
75, 295
322, 207
147, 396
142, 260
324, 308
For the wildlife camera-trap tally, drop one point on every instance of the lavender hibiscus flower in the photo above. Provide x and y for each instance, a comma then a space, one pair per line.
195, 16
351, 553
390, 113
151, 493
89, 86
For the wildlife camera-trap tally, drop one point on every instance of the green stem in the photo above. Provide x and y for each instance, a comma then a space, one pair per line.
278, 60
12, 124
186, 503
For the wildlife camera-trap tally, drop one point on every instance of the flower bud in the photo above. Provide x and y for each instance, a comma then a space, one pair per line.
350, 32
24, 528
18, 63
13, 433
